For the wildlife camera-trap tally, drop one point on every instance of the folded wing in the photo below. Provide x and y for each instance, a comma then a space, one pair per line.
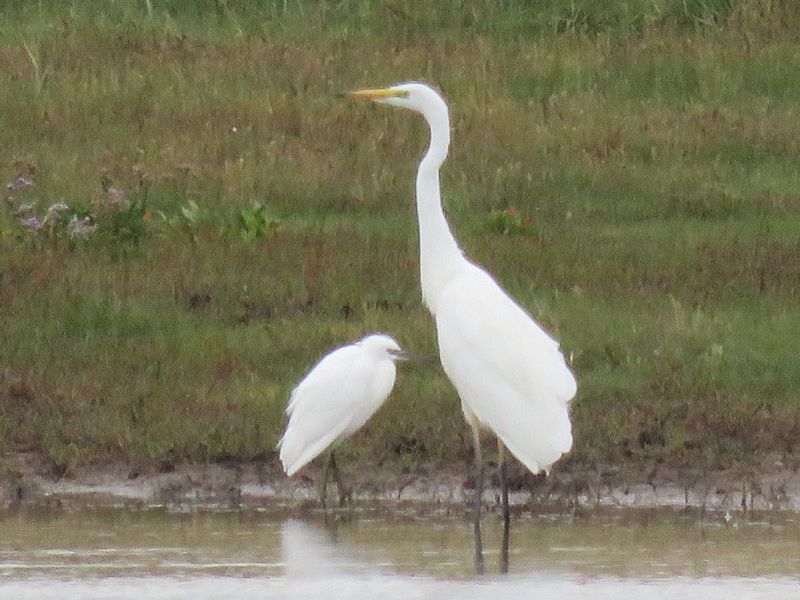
334, 400
509, 373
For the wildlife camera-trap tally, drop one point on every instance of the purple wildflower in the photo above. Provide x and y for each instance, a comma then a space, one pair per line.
116, 195
32, 223
20, 183
80, 227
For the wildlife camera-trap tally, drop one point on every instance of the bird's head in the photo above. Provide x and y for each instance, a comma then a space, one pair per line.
415, 96
383, 346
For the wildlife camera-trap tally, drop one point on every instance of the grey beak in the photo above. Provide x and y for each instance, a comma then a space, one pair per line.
417, 358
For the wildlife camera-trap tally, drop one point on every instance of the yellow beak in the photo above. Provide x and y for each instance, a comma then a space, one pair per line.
375, 94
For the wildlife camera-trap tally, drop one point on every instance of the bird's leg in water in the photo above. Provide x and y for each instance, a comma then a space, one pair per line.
344, 493
323, 490
501, 459
477, 498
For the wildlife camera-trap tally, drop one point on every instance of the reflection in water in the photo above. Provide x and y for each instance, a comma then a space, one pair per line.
309, 552
324, 567
123, 556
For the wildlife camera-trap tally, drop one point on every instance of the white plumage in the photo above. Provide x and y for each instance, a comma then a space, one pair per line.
337, 397
509, 373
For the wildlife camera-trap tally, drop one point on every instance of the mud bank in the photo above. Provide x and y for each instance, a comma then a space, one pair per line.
27, 481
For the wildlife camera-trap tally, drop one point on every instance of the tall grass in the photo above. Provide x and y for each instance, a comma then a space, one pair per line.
652, 146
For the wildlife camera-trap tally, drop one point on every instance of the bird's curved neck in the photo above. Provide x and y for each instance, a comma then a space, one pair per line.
440, 257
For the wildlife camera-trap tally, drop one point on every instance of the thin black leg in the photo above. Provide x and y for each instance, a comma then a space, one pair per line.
344, 493
506, 514
323, 491
477, 501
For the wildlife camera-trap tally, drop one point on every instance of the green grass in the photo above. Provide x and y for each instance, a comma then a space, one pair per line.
653, 145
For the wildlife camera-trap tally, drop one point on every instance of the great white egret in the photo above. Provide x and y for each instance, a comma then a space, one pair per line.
509, 372
340, 393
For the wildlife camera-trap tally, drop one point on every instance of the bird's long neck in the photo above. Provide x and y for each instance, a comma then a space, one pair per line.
440, 257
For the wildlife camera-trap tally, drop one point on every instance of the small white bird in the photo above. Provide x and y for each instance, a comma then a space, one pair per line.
335, 399
508, 371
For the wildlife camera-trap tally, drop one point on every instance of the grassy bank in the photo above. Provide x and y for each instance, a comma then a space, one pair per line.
647, 152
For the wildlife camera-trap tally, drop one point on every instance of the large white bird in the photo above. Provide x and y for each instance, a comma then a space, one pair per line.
337, 397
509, 372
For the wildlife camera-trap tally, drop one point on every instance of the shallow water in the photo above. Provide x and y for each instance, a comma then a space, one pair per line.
162, 555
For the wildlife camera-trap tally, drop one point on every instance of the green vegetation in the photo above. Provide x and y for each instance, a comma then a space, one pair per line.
627, 169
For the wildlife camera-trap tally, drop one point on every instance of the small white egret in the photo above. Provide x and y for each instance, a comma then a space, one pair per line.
337, 397
509, 373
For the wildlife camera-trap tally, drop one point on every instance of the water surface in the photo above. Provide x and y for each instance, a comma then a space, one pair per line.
161, 555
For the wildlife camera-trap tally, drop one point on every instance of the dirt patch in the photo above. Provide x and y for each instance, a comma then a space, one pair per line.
26, 480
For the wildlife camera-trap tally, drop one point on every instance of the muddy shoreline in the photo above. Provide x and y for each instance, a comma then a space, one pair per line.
27, 481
